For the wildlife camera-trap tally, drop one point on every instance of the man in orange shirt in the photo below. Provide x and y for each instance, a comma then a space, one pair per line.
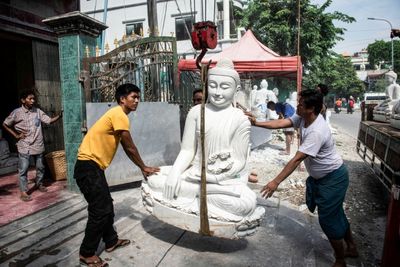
94, 156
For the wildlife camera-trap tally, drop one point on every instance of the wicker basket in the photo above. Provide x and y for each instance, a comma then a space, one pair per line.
57, 164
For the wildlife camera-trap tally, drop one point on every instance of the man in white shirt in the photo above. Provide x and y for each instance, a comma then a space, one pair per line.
328, 180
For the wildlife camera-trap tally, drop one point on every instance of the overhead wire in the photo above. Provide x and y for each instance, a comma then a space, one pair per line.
164, 17
205, 10
215, 1
184, 22
95, 8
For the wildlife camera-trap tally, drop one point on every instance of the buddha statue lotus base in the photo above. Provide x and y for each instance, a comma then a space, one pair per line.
381, 116
190, 221
395, 121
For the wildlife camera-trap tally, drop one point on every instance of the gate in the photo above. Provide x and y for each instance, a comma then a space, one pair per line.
150, 63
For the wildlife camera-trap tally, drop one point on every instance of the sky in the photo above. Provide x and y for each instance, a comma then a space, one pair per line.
363, 32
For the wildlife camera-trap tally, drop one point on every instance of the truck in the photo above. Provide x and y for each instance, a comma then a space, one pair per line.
378, 144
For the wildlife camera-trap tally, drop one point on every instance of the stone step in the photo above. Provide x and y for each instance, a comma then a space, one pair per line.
69, 199
39, 221
33, 246
55, 234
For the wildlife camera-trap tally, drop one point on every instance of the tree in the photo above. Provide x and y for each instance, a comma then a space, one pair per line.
274, 23
338, 73
380, 54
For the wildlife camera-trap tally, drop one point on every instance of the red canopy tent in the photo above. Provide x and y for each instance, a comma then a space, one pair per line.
252, 59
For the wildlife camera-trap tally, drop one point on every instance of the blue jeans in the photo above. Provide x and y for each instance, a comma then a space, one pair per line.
23, 166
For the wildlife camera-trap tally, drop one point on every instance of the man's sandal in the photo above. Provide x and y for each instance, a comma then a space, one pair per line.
92, 263
26, 198
120, 244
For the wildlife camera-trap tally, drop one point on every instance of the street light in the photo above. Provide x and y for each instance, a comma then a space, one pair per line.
391, 36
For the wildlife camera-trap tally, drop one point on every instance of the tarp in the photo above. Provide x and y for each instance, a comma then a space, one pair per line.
251, 58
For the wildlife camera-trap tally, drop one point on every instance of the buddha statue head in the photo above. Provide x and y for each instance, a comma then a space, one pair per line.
391, 77
264, 84
223, 83
276, 91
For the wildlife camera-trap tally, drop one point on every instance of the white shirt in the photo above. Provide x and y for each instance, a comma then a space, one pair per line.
316, 141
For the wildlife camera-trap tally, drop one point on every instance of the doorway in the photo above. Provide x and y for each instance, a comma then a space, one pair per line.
16, 75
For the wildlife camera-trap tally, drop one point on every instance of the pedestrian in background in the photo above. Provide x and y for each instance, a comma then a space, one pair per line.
94, 156
328, 181
197, 96
25, 124
350, 105
284, 111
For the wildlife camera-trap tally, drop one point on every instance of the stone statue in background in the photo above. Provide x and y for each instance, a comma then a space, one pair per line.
173, 195
253, 94
260, 98
268, 95
292, 100
276, 92
383, 111
243, 96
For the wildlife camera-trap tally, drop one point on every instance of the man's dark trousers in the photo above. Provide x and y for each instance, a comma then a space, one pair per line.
93, 185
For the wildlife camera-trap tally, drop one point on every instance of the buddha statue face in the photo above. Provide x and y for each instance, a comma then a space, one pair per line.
221, 90
391, 77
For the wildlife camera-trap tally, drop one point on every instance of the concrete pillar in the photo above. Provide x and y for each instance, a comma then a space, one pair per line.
227, 27
75, 32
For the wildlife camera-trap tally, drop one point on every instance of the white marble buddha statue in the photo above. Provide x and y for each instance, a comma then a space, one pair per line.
177, 188
383, 111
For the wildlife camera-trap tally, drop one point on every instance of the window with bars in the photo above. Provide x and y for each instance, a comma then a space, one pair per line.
136, 28
181, 31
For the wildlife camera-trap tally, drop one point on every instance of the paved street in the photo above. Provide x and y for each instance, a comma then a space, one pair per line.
52, 237
349, 123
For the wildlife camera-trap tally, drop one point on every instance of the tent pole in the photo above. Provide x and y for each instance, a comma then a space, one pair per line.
299, 74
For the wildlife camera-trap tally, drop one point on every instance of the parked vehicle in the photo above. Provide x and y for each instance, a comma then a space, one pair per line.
374, 97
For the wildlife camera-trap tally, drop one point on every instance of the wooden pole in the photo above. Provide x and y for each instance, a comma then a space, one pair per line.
152, 15
204, 224
299, 74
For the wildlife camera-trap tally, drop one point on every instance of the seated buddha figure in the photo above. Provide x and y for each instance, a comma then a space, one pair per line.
386, 108
226, 136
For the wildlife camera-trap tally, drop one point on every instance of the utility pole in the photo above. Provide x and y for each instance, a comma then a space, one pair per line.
391, 36
154, 68
152, 17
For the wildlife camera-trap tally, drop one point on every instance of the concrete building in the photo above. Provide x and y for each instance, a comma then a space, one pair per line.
365, 72
174, 18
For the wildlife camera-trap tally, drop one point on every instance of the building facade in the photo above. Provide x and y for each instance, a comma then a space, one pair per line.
174, 18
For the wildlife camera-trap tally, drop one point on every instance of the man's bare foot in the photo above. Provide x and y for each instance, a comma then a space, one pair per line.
351, 252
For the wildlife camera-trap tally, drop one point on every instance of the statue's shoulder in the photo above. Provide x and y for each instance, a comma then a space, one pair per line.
194, 111
239, 114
